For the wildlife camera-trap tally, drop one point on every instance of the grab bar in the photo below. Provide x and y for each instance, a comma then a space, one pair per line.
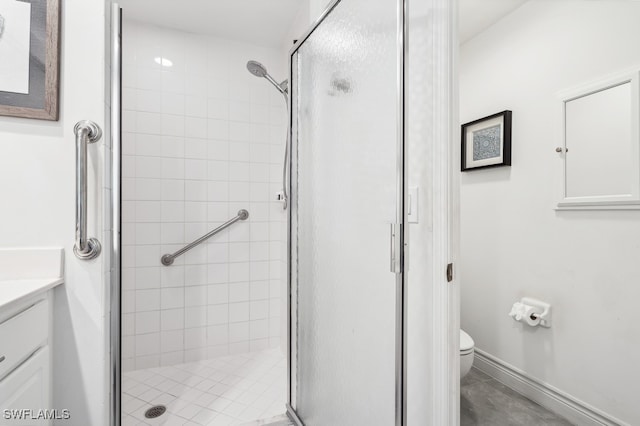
168, 259
86, 132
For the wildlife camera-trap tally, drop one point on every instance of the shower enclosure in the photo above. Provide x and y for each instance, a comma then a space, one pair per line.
190, 317
347, 219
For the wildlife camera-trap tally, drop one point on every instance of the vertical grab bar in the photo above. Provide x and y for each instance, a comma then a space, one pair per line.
86, 132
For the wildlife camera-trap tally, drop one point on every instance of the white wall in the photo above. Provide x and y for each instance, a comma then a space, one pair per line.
202, 139
514, 244
298, 27
316, 7
432, 309
37, 185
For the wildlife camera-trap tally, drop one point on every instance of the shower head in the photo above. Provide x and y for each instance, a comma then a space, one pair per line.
259, 70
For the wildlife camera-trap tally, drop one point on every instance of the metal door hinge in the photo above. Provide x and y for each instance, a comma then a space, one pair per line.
450, 272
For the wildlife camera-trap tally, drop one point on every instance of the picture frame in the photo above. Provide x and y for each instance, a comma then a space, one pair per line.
30, 80
486, 142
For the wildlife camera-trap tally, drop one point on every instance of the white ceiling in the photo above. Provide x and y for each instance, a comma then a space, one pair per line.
264, 22
267, 22
478, 15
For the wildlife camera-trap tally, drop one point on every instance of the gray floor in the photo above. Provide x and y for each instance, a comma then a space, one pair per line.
487, 402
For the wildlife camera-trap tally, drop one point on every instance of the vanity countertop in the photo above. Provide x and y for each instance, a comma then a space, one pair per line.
14, 291
27, 272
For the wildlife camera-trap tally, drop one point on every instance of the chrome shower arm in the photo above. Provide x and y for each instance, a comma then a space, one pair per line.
275, 83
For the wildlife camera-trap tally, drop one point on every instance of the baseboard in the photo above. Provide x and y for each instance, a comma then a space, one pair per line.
544, 394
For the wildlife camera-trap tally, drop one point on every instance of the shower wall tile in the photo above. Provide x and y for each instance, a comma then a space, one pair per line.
202, 139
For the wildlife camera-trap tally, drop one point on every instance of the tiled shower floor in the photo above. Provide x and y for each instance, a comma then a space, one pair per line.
233, 390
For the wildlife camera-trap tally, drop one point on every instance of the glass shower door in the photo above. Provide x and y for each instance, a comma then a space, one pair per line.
347, 187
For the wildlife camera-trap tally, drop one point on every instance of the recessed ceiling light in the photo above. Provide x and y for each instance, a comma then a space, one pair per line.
164, 62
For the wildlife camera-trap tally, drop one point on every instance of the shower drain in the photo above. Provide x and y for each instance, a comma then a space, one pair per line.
154, 412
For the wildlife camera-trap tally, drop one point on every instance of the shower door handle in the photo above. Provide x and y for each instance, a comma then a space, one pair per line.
86, 132
396, 247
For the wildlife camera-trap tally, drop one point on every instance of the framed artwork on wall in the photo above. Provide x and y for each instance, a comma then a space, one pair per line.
487, 142
29, 58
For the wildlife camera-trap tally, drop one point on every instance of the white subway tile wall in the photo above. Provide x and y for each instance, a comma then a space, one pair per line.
202, 139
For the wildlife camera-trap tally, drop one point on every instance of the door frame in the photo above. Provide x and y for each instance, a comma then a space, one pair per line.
114, 164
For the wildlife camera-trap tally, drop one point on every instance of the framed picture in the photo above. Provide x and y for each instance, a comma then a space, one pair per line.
29, 58
487, 142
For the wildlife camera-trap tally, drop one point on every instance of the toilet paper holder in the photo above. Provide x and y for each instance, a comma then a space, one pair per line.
535, 312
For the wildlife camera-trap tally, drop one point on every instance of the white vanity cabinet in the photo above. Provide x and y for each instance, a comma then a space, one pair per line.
28, 387
26, 319
25, 366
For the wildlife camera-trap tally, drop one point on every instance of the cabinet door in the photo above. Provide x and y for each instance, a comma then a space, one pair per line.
27, 388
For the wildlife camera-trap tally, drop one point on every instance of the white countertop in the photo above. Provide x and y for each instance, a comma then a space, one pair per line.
15, 291
27, 272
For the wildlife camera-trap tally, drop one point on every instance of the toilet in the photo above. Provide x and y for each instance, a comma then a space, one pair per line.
466, 353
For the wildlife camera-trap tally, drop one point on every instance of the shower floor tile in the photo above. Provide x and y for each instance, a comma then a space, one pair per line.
233, 390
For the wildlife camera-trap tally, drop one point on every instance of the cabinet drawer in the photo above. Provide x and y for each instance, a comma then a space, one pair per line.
22, 334
27, 388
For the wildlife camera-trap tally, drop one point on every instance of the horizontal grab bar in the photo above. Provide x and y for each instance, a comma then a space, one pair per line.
168, 259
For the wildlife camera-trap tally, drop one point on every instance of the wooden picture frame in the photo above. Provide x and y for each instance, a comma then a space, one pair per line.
42, 97
486, 142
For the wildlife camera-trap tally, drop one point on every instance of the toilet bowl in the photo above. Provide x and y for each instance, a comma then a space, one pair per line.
466, 353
